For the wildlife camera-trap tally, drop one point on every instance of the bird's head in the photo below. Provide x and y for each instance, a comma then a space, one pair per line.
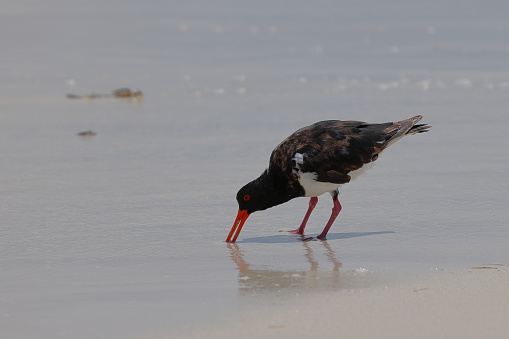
257, 195
254, 197
251, 198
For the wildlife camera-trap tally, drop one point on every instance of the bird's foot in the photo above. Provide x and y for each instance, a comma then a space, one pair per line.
297, 231
304, 238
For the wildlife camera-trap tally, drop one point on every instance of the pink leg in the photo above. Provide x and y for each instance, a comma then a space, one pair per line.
335, 211
312, 203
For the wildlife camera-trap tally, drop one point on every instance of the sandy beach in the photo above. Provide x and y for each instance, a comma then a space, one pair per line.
470, 303
114, 210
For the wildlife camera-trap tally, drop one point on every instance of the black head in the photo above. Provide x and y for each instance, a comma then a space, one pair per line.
262, 193
259, 194
252, 198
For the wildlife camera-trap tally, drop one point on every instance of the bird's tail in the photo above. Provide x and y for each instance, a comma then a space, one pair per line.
421, 128
404, 127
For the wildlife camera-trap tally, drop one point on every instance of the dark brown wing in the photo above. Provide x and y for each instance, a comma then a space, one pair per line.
330, 148
334, 148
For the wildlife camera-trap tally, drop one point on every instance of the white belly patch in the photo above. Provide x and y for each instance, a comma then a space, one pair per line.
313, 188
357, 173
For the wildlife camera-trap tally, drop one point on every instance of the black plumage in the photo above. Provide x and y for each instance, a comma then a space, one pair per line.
318, 159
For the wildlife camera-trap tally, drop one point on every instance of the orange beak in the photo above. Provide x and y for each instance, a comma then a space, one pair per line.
237, 225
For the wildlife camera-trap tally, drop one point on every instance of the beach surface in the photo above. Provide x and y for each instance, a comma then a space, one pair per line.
114, 211
470, 303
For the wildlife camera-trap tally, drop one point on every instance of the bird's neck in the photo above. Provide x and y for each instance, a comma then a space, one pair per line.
278, 188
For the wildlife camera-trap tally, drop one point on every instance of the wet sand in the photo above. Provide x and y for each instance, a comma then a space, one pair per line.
121, 234
469, 303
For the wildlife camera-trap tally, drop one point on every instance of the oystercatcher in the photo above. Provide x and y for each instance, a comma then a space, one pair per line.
318, 159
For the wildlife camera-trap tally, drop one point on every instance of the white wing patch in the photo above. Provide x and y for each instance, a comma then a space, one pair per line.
297, 160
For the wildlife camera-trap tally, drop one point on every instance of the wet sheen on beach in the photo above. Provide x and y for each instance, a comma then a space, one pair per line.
114, 208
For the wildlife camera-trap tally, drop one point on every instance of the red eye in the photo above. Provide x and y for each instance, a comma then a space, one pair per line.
247, 197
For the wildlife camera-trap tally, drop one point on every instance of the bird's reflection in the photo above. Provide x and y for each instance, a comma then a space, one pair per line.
314, 277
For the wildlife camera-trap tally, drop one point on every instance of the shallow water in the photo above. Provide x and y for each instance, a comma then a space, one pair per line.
122, 234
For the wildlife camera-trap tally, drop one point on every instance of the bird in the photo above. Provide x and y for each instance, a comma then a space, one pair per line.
318, 159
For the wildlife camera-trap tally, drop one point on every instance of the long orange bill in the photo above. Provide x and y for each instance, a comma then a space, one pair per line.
237, 225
